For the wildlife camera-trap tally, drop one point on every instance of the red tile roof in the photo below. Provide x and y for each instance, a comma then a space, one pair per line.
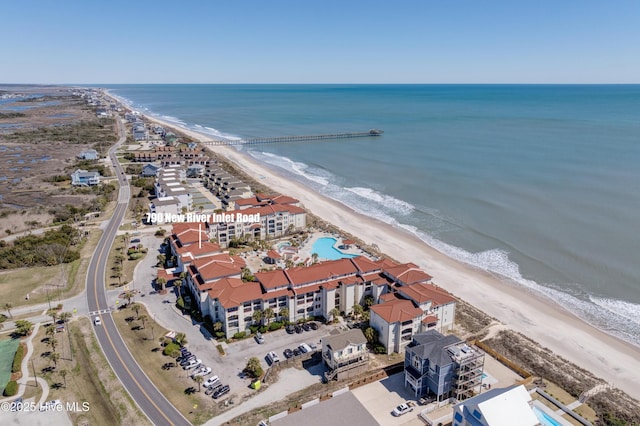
277, 293
187, 232
232, 292
272, 279
218, 266
273, 254
348, 242
321, 271
195, 250
429, 319
398, 310
364, 264
422, 293
409, 273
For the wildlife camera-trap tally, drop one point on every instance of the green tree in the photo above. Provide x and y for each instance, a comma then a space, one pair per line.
161, 282
199, 380
8, 307
24, 327
136, 308
65, 317
179, 283
129, 295
284, 314
125, 240
119, 259
143, 318
63, 374
54, 356
257, 316
314, 257
357, 311
366, 316
53, 342
161, 260
253, 368
53, 313
181, 339
217, 326
50, 330
335, 312
368, 301
268, 314
371, 334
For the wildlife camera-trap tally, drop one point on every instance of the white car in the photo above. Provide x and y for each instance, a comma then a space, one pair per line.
97, 321
193, 364
401, 409
273, 357
304, 348
211, 381
202, 371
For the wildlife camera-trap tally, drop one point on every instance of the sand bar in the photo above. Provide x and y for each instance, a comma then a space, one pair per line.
534, 315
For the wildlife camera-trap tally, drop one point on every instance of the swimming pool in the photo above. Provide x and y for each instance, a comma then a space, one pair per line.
544, 418
325, 248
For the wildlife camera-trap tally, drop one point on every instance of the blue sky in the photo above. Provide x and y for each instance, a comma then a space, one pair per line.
422, 41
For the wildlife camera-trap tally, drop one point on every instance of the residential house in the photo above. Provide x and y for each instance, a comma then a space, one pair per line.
88, 154
442, 367
150, 170
344, 353
84, 178
497, 407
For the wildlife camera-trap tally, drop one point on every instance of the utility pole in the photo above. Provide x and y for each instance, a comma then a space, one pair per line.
34, 372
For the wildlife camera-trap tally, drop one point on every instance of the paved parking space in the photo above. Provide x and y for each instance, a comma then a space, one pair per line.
380, 398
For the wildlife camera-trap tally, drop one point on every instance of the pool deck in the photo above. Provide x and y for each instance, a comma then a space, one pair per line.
305, 250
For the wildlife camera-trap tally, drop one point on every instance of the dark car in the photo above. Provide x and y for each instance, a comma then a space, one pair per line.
288, 353
187, 360
290, 329
298, 329
313, 325
221, 391
184, 356
212, 389
296, 352
306, 327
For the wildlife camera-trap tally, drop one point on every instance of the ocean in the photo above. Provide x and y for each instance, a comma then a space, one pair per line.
538, 183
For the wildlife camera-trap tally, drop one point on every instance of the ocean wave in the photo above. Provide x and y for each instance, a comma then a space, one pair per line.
300, 169
393, 203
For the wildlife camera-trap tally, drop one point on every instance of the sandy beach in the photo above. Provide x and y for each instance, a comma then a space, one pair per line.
535, 316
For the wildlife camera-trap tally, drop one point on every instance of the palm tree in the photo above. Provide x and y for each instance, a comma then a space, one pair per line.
24, 327
268, 314
118, 274
119, 258
161, 282
181, 339
143, 318
257, 316
129, 295
53, 342
217, 326
63, 374
50, 330
136, 308
125, 240
284, 313
198, 379
179, 283
314, 256
54, 356
334, 314
161, 259
8, 307
371, 334
53, 313
357, 311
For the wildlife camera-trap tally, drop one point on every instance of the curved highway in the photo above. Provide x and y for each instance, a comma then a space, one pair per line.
150, 400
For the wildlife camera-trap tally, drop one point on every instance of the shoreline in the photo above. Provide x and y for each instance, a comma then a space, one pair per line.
520, 309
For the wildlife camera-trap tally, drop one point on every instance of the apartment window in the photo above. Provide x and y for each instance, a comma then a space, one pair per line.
233, 309
310, 309
416, 363
233, 324
248, 318
233, 317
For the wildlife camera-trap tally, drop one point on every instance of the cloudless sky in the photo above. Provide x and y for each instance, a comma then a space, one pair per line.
310, 41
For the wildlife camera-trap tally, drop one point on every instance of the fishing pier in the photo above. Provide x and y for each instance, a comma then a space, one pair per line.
300, 138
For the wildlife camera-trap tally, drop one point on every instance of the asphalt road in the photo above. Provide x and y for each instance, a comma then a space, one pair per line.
153, 403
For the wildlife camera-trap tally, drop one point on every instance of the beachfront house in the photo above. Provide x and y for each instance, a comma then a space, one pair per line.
150, 170
84, 178
344, 354
441, 367
497, 407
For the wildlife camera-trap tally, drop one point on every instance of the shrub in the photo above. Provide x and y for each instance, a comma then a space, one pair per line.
219, 334
240, 335
275, 326
253, 328
171, 349
17, 359
160, 232
11, 388
262, 329
220, 349
135, 256
180, 303
378, 348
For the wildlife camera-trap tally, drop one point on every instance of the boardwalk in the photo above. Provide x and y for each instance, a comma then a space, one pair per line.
302, 138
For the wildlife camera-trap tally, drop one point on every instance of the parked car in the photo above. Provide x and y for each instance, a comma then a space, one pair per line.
296, 351
306, 327
97, 321
187, 360
192, 364
259, 338
211, 381
184, 356
290, 329
304, 348
202, 371
288, 353
272, 357
211, 389
221, 391
401, 409
298, 329
313, 325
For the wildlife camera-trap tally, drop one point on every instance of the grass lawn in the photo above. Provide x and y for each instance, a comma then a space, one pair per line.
89, 377
7, 351
127, 266
145, 348
43, 283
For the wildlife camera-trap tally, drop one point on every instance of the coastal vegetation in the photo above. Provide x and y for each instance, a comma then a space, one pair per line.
12, 115
98, 131
52, 248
